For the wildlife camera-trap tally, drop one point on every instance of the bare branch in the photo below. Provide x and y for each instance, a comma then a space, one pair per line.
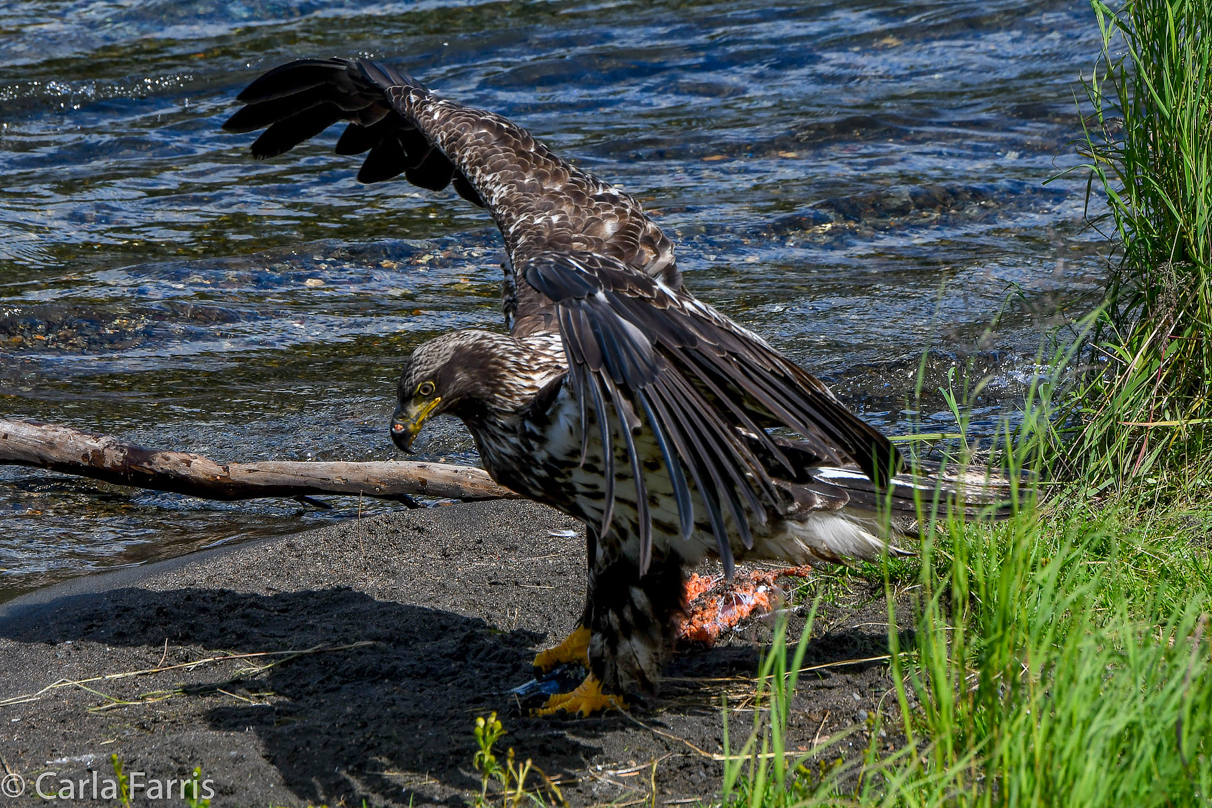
103, 457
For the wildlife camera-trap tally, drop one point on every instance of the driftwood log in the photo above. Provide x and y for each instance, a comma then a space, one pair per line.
103, 457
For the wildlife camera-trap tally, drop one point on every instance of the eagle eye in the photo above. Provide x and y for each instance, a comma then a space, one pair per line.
426, 389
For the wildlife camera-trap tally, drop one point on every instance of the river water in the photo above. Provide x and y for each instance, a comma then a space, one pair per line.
859, 181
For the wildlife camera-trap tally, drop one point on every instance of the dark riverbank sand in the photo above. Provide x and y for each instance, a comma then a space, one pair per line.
444, 609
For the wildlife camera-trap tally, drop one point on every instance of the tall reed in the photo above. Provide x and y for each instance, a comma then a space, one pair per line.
1145, 411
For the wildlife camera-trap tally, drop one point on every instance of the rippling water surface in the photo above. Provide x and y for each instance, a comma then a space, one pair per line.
856, 180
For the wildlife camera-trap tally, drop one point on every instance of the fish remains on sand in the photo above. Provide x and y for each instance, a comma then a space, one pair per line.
617, 397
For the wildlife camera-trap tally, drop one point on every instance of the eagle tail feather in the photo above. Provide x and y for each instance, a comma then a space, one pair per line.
932, 487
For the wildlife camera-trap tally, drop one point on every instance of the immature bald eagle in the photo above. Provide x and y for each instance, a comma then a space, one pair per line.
616, 397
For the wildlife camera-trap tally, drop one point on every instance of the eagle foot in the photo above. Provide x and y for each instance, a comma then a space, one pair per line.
587, 699
572, 649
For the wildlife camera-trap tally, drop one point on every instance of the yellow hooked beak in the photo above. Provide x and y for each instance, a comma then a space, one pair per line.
407, 422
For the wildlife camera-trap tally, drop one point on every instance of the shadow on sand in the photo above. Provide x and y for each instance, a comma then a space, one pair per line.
389, 720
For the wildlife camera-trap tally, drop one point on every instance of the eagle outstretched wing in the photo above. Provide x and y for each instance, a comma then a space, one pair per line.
585, 260
539, 200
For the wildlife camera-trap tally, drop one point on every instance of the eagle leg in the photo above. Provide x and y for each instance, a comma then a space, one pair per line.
587, 699
574, 648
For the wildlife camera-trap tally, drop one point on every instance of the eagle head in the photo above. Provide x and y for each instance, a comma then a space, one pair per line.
470, 374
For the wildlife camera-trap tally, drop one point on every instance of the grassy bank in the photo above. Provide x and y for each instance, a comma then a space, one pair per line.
1061, 657
1065, 657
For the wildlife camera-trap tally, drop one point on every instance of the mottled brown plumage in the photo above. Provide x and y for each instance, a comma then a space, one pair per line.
616, 396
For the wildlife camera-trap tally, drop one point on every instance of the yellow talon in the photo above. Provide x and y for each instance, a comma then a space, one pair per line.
587, 699
573, 648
